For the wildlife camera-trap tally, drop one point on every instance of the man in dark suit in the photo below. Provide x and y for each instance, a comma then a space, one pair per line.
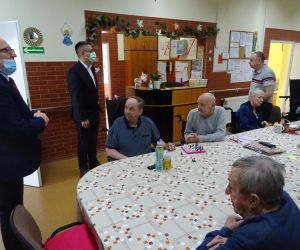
20, 149
83, 88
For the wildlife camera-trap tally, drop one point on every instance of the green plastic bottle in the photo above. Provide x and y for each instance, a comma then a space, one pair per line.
159, 152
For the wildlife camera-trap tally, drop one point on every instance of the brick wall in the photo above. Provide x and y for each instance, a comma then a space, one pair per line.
49, 93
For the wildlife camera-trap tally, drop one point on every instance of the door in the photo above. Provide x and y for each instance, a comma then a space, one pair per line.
280, 61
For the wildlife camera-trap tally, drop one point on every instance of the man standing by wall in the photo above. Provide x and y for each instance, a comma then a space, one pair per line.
20, 149
83, 88
263, 76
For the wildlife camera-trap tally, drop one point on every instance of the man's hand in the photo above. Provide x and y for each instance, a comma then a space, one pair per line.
218, 240
192, 138
265, 124
170, 146
42, 115
233, 221
85, 123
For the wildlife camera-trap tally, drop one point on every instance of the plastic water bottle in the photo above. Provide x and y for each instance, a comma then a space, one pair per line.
159, 152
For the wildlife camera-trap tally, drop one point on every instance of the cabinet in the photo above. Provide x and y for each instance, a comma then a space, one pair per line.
140, 56
141, 43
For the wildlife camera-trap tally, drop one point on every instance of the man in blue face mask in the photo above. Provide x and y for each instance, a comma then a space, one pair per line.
83, 87
20, 150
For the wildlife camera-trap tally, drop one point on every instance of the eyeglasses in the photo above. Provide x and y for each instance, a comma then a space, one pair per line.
89, 51
7, 50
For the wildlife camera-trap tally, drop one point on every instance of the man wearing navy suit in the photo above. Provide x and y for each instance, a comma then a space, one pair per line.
20, 149
83, 88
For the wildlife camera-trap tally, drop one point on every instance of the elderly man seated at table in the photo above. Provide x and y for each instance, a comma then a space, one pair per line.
250, 114
207, 122
267, 218
132, 134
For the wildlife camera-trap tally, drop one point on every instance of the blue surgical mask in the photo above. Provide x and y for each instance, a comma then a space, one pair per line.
93, 57
9, 66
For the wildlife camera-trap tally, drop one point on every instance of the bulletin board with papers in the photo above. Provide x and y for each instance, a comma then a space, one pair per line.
241, 45
180, 60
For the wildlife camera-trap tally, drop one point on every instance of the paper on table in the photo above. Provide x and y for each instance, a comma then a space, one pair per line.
243, 139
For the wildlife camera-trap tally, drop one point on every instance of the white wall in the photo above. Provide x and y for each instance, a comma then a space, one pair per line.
49, 17
255, 16
283, 14
239, 15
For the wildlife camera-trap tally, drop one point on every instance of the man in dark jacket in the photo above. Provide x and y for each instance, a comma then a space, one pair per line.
266, 216
20, 149
83, 88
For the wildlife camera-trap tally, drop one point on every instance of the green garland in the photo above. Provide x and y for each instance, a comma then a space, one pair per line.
118, 24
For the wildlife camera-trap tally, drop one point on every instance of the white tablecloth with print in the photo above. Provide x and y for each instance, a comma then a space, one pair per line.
131, 207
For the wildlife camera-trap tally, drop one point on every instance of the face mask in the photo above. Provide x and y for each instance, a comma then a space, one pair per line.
9, 66
93, 57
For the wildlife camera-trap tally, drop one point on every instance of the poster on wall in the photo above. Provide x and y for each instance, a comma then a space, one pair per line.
240, 70
11, 33
220, 60
164, 44
191, 52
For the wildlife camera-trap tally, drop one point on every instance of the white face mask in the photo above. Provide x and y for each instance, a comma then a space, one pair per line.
92, 57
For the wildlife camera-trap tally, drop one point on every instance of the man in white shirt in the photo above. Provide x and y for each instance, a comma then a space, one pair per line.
83, 87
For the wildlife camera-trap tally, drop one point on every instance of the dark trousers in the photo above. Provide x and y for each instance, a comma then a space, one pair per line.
11, 194
87, 146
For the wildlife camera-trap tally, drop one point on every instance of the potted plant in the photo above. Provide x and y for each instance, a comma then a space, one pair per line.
156, 80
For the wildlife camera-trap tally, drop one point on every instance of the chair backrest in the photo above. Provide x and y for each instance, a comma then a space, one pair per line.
275, 115
77, 237
115, 109
294, 95
69, 237
25, 228
232, 124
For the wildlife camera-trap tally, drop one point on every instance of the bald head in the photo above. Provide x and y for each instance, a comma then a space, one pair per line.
208, 97
206, 104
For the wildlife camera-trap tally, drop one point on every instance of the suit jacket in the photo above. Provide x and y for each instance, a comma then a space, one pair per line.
84, 93
20, 149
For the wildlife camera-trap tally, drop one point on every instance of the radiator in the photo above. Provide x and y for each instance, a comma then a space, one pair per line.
234, 103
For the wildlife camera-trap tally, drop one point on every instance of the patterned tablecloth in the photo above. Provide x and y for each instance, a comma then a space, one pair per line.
131, 207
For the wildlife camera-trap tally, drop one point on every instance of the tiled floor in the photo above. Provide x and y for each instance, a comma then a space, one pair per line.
54, 204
